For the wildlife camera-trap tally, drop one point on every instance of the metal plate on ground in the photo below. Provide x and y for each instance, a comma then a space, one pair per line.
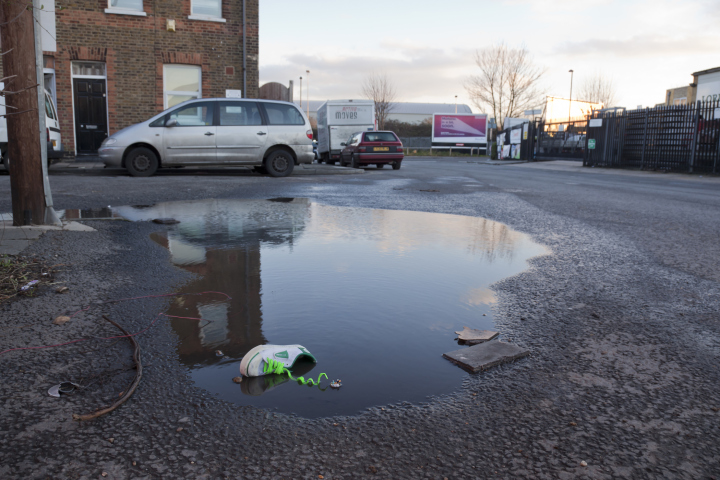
486, 355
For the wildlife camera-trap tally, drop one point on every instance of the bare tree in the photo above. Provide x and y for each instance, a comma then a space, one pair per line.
598, 88
508, 82
378, 88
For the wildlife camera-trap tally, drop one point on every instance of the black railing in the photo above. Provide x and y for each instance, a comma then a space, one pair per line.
564, 139
682, 138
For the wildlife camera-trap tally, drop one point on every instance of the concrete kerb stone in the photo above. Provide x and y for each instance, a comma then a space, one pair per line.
320, 169
302, 169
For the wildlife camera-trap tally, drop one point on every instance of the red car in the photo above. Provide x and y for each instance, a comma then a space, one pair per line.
366, 148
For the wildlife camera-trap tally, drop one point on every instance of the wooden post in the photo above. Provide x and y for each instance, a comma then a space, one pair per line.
26, 175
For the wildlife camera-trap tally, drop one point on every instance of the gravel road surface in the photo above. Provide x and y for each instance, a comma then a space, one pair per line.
622, 319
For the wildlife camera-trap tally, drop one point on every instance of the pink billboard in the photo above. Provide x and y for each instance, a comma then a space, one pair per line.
459, 128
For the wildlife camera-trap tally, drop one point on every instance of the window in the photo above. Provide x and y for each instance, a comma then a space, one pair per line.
207, 8
281, 114
195, 115
49, 108
88, 69
181, 83
380, 137
234, 114
127, 7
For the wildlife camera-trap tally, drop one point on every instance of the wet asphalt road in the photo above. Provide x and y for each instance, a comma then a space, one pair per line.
622, 319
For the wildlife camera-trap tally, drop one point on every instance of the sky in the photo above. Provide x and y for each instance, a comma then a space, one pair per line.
426, 48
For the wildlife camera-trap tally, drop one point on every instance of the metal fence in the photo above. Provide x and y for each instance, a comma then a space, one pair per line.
682, 138
561, 139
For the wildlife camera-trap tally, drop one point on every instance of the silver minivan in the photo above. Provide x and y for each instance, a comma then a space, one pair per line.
270, 136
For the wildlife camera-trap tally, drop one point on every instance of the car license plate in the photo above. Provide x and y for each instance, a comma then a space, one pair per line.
381, 149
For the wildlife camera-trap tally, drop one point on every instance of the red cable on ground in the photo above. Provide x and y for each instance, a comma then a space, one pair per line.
122, 336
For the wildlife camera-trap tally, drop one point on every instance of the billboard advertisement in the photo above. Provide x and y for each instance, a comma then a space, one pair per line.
461, 130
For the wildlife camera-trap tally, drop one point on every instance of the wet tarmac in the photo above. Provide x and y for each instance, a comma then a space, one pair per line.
375, 295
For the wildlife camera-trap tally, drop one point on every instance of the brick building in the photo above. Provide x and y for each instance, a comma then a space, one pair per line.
112, 63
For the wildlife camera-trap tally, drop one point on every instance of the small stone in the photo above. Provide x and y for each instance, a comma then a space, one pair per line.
583, 463
179, 429
134, 463
320, 476
237, 379
111, 440
62, 319
104, 474
62, 290
573, 424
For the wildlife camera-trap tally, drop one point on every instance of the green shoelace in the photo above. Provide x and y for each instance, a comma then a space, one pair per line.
277, 367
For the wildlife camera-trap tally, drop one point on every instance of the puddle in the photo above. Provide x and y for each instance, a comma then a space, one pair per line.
103, 213
374, 295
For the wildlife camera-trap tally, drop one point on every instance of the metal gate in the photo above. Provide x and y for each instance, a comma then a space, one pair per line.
561, 139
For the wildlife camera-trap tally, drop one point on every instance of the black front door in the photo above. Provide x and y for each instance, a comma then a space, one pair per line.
90, 114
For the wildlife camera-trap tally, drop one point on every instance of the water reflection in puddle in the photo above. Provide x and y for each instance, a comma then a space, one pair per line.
375, 295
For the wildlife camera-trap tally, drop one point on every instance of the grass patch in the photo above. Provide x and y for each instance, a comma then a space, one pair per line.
425, 152
16, 272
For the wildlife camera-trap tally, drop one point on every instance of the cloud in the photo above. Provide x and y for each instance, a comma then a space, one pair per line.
642, 46
418, 73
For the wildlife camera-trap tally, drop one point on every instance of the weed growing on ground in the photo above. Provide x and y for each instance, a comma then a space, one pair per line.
16, 272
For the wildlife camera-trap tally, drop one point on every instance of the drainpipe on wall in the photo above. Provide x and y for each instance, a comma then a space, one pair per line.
244, 94
51, 217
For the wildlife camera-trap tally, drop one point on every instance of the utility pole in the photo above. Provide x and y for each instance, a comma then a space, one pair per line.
307, 87
17, 37
571, 72
300, 93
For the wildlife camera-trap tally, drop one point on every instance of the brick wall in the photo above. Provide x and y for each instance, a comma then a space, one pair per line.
135, 48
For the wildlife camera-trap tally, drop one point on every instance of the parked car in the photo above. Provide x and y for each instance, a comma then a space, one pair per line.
367, 148
271, 136
52, 131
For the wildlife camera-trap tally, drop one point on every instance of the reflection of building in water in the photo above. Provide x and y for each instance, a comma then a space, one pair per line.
233, 326
401, 231
220, 242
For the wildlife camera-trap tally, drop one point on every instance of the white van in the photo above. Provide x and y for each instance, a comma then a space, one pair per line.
52, 130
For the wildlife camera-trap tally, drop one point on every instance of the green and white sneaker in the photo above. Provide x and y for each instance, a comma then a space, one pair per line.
253, 363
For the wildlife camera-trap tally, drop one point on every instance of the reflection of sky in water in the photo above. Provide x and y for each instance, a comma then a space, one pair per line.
375, 295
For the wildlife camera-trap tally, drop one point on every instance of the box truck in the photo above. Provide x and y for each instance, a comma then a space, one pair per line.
337, 120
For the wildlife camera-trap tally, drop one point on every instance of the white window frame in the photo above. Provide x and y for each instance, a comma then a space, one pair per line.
126, 11
197, 94
205, 18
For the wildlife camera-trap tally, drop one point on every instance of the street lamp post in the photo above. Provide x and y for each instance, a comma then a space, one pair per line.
570, 102
307, 87
455, 103
300, 92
